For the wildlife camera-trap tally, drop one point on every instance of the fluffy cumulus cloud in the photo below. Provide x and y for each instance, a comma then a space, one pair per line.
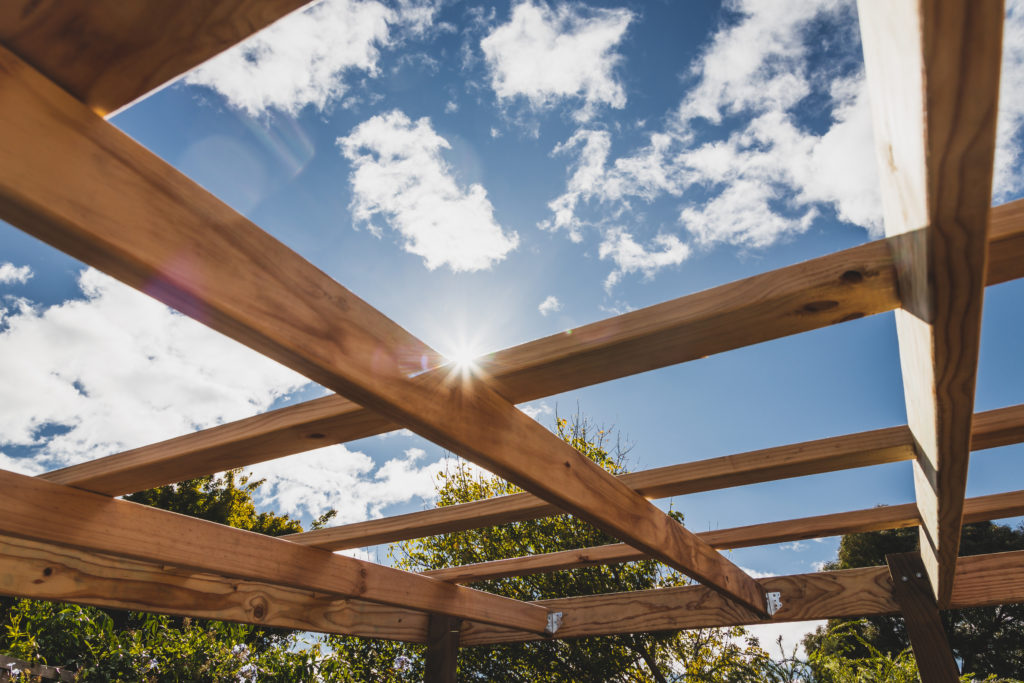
114, 370
1009, 181
399, 174
304, 58
740, 156
550, 304
12, 274
550, 54
347, 481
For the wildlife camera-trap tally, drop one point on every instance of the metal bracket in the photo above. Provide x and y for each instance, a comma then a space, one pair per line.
554, 621
774, 601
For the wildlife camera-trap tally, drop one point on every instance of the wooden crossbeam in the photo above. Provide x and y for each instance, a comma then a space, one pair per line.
991, 429
982, 508
53, 513
933, 75
72, 180
48, 571
980, 580
540, 368
109, 53
928, 639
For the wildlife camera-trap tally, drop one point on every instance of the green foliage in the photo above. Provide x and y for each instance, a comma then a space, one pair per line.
988, 640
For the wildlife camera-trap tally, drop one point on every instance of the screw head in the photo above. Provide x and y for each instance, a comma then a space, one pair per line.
904, 578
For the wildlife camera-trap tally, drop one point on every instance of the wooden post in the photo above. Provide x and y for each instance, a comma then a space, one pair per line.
442, 648
912, 591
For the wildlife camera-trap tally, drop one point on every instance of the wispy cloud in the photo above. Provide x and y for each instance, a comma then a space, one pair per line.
630, 256
11, 274
305, 58
549, 54
399, 174
1009, 181
115, 370
537, 410
550, 305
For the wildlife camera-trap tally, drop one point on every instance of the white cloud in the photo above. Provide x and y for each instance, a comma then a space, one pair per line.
400, 174
347, 481
537, 410
304, 58
630, 256
26, 466
1009, 181
550, 54
12, 274
116, 370
550, 305
792, 634
738, 149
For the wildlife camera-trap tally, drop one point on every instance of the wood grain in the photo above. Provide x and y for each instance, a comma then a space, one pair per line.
52, 513
108, 53
928, 638
74, 181
48, 571
980, 580
442, 658
933, 75
982, 508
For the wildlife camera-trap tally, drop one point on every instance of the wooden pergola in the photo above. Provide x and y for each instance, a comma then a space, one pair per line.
73, 180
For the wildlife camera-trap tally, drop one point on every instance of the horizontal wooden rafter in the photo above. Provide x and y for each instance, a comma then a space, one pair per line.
686, 328
53, 513
74, 181
109, 53
982, 508
991, 429
980, 580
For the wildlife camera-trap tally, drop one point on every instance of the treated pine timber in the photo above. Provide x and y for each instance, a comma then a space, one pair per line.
982, 508
333, 419
53, 513
442, 658
980, 580
108, 53
928, 638
48, 571
74, 181
932, 70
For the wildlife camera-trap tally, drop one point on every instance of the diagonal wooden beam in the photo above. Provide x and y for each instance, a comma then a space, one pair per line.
991, 429
541, 367
933, 74
109, 53
48, 571
74, 181
53, 513
982, 508
851, 593
928, 638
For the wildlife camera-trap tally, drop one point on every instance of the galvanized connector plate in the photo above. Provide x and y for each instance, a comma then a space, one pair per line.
774, 601
554, 621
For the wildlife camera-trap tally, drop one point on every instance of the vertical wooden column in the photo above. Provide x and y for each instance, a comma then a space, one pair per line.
913, 592
442, 648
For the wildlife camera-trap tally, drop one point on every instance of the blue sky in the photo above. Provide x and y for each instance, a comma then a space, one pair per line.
489, 174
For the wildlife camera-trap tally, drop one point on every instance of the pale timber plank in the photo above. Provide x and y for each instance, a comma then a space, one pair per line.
72, 180
983, 508
53, 513
47, 571
981, 580
108, 53
933, 74
333, 419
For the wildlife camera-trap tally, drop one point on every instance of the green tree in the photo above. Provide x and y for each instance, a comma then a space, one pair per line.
120, 645
705, 655
988, 640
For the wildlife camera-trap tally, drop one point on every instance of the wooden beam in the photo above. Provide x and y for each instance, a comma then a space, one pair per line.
980, 580
333, 419
983, 508
933, 74
910, 587
812, 457
48, 571
991, 429
74, 181
52, 513
442, 649
109, 53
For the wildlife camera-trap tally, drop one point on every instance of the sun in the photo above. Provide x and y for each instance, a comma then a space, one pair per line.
463, 357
